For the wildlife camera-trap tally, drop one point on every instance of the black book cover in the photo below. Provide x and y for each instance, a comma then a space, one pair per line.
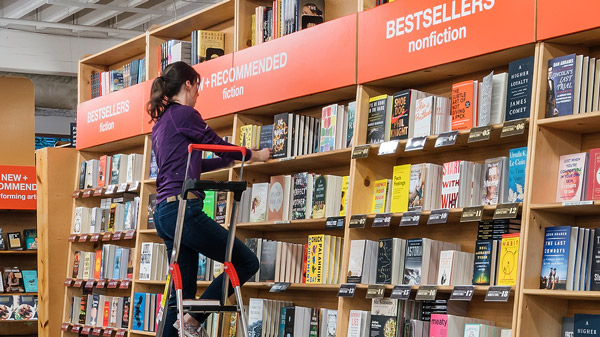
384, 261
289, 321
520, 80
266, 137
281, 132
82, 175
267, 261
400, 115
595, 278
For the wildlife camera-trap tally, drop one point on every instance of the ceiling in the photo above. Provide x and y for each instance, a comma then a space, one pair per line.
115, 19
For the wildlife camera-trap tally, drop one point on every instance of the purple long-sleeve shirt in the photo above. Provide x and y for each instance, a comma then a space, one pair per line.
178, 127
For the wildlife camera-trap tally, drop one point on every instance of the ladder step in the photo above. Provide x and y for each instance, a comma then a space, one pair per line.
207, 308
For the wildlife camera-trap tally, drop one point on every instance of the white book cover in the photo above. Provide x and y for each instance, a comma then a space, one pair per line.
355, 323
577, 89
571, 177
445, 268
473, 330
485, 100
356, 261
258, 202
584, 82
255, 317
443, 119
145, 261
499, 92
423, 116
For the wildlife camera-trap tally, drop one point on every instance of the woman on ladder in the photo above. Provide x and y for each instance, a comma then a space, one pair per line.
178, 124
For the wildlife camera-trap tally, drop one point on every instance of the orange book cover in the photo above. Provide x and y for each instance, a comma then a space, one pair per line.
463, 105
102, 171
98, 264
275, 203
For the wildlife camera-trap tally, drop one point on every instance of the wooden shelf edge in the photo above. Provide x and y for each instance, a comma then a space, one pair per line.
581, 123
564, 294
19, 252
306, 157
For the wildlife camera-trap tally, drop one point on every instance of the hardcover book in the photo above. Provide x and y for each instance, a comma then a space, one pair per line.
593, 175
561, 86
267, 261
329, 121
378, 123
384, 312
413, 262
416, 187
351, 119
586, 325
450, 184
509, 257
266, 137
555, 259
520, 81
384, 261
464, 105
401, 179
595, 261
281, 132
493, 177
315, 259
275, 203
400, 115
517, 159
258, 203
380, 189
30, 281
319, 197
423, 117
482, 271
571, 177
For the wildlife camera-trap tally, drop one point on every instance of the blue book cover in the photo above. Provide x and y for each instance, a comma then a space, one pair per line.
7, 307
587, 325
517, 159
556, 258
560, 86
483, 262
201, 276
30, 281
153, 166
518, 96
139, 303
27, 308
266, 137
282, 321
117, 264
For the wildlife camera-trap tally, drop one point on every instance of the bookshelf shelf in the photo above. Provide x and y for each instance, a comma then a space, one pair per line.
295, 286
220, 175
564, 294
150, 282
147, 231
292, 225
142, 333
18, 252
479, 290
149, 182
558, 208
581, 123
24, 294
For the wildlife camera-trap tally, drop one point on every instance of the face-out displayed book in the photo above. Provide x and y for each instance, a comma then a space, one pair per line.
18, 307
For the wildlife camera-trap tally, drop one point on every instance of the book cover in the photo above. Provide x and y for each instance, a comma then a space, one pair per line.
255, 317
384, 261
555, 258
299, 196
139, 305
384, 313
401, 183
519, 89
377, 119
344, 199
450, 184
7, 307
246, 136
571, 177
438, 325
593, 175
13, 279
463, 105
380, 189
209, 45
102, 171
151, 209
209, 204
517, 160
416, 186
568, 327
153, 166
351, 118
27, 308
221, 207
423, 116
560, 86
595, 261
413, 262
356, 260
400, 115
266, 137
586, 325
258, 203
30, 281
280, 135
509, 256
267, 261
493, 171
116, 168
329, 116
315, 259
319, 197
485, 100
275, 202
483, 263
82, 170
31, 240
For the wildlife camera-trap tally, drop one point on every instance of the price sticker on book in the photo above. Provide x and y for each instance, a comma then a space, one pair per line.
347, 290
130, 234
78, 283
578, 203
86, 330
121, 333
506, 211
471, 214
65, 327
87, 193
122, 188
107, 332
110, 189
134, 186
446, 138
462, 293
498, 294
124, 284
410, 218
479, 134
96, 331
361, 151
335, 222
95, 237
382, 220
89, 284
513, 128
415, 144
98, 191
101, 284
426, 293
386, 148
279, 287
72, 238
76, 194
83, 238
76, 328
358, 221
438, 216
375, 291
401, 292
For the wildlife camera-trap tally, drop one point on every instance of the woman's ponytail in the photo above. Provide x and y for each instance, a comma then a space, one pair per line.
157, 103
168, 85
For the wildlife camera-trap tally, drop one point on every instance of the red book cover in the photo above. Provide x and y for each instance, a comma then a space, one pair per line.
158, 300
98, 264
464, 105
304, 263
450, 184
102, 171
593, 183
106, 316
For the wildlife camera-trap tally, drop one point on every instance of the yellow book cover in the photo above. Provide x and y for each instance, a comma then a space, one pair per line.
210, 44
400, 187
379, 194
246, 135
344, 196
314, 259
253, 29
331, 261
509, 257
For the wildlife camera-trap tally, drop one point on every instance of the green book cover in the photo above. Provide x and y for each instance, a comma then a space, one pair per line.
209, 204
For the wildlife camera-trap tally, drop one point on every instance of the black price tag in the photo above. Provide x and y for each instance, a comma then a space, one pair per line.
480, 134
382, 220
513, 128
426, 293
73, 130
462, 293
438, 216
446, 138
361, 151
388, 147
375, 291
358, 221
122, 188
497, 294
410, 218
578, 203
347, 290
401, 292
335, 222
415, 144
287, 158
471, 214
506, 211
279, 287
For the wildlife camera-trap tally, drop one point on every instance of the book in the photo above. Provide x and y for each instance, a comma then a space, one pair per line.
423, 117
555, 258
450, 184
13, 280
30, 281
384, 312
499, 95
594, 261
571, 177
484, 270
399, 119
351, 112
380, 190
484, 110
266, 137
494, 181
517, 160
586, 325
2, 244
275, 202
413, 262
593, 173
31, 240
153, 173
258, 203
464, 105
560, 91
281, 135
329, 128
378, 124
401, 183
315, 259
319, 197
519, 88
509, 257
568, 327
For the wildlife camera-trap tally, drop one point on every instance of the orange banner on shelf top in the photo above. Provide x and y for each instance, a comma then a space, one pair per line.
303, 63
112, 117
404, 36
557, 17
18, 189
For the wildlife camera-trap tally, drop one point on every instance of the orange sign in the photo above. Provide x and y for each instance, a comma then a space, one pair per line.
306, 62
556, 17
18, 189
116, 116
405, 36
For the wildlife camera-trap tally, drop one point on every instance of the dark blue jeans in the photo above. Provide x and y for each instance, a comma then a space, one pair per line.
201, 234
